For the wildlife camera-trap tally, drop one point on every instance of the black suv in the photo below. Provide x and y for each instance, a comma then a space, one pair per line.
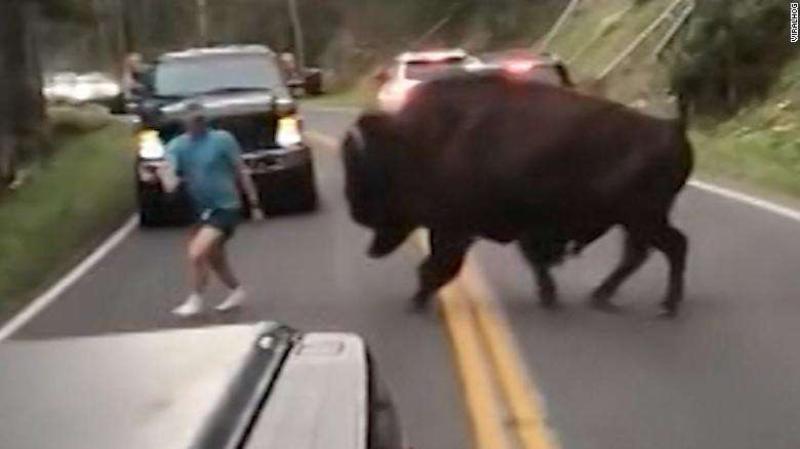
244, 92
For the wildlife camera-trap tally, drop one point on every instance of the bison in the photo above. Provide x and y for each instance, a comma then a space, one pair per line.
482, 156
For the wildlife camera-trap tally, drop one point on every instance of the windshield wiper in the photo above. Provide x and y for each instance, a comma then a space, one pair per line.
234, 89
168, 96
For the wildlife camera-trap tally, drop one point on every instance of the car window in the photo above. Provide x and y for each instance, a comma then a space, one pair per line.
427, 70
192, 76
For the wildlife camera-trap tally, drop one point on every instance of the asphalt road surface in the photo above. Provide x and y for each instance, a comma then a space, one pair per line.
724, 374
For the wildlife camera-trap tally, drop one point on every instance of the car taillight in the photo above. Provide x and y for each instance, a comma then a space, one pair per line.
518, 67
401, 94
395, 96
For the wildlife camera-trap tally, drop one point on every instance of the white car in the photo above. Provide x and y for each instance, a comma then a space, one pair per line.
413, 68
524, 65
77, 89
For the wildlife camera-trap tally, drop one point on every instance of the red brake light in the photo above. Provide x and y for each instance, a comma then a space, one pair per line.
519, 67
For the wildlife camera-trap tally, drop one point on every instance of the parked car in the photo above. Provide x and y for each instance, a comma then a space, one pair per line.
413, 68
301, 80
522, 64
252, 102
77, 89
245, 386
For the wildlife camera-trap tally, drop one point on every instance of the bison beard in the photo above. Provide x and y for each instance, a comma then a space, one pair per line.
484, 157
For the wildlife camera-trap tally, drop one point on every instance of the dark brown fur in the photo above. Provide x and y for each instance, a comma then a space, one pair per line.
487, 157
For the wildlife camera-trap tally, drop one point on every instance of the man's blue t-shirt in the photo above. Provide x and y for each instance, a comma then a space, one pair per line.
207, 165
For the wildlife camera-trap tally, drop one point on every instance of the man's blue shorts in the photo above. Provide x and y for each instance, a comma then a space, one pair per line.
226, 220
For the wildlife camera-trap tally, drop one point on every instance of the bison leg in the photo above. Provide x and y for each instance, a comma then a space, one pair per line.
441, 266
385, 241
636, 251
541, 260
674, 244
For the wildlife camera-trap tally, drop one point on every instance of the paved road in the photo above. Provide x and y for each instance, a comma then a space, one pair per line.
725, 374
307, 271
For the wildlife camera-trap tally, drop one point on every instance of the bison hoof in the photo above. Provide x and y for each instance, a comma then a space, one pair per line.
668, 310
602, 294
549, 302
419, 303
602, 301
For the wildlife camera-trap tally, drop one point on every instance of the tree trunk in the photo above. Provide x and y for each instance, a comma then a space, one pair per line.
12, 48
21, 105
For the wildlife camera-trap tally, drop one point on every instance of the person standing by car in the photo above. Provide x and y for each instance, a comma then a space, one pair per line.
209, 164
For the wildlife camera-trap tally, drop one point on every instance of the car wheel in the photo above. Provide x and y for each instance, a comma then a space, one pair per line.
308, 198
309, 201
148, 218
117, 105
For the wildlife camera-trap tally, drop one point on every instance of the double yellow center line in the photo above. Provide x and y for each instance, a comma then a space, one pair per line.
504, 408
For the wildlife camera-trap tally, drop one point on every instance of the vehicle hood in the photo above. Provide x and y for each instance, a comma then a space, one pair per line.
218, 105
182, 388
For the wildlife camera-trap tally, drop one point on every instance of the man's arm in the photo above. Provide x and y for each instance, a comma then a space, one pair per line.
168, 172
244, 178
246, 181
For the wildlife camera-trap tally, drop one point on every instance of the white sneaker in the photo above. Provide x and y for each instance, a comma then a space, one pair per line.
234, 300
192, 306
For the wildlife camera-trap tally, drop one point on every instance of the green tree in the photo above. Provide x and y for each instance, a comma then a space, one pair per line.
731, 52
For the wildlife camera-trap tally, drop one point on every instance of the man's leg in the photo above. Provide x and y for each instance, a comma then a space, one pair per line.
199, 252
220, 265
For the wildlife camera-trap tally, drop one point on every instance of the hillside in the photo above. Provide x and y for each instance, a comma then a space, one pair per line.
758, 148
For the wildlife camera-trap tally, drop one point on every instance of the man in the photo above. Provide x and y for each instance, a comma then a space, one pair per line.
134, 75
209, 163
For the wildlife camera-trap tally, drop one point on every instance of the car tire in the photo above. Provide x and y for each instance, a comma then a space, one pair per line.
308, 198
148, 218
309, 201
117, 105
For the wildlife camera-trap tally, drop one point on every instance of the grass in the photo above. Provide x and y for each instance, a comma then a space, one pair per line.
81, 192
76, 120
761, 145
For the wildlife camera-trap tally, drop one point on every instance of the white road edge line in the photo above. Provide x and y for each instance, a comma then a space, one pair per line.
55, 291
775, 208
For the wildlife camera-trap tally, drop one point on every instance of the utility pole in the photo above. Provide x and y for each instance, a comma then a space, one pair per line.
297, 31
202, 21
